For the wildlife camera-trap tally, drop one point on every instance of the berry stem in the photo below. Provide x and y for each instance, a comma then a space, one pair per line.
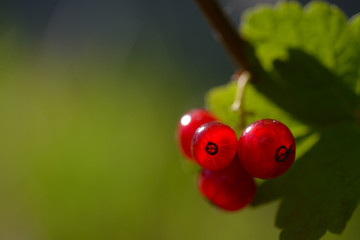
238, 105
225, 32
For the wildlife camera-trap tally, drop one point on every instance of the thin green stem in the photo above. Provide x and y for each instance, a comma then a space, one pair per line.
238, 104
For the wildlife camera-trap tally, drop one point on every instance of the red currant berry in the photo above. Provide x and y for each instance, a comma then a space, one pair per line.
214, 145
230, 188
187, 126
266, 149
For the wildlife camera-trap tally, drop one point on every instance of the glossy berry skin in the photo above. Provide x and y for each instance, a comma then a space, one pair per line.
214, 145
230, 188
187, 126
266, 149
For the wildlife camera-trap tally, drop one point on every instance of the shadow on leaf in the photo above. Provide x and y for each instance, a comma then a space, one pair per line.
302, 86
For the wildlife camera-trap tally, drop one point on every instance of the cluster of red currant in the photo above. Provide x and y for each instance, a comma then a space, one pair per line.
266, 149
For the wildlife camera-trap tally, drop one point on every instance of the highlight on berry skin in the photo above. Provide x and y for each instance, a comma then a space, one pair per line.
230, 188
214, 145
187, 126
266, 149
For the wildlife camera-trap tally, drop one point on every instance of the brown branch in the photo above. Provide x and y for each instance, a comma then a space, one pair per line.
230, 38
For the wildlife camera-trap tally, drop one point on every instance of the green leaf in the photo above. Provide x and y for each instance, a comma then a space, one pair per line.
309, 59
308, 78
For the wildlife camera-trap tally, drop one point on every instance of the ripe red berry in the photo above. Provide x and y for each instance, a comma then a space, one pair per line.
187, 126
266, 149
214, 145
230, 188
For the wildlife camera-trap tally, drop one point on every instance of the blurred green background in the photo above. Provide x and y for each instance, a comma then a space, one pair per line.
90, 95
